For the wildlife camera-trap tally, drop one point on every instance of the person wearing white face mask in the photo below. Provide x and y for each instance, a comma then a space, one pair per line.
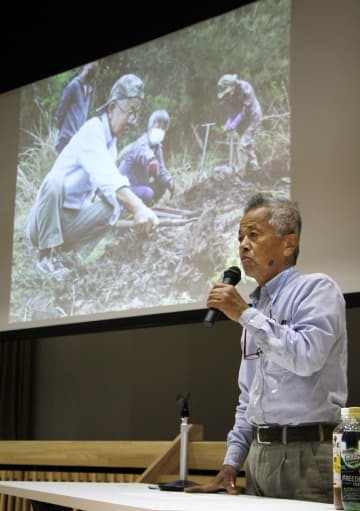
143, 161
156, 136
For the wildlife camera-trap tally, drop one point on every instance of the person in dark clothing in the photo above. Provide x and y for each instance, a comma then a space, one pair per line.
74, 105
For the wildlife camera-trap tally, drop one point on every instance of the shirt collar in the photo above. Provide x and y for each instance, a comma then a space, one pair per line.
268, 289
109, 139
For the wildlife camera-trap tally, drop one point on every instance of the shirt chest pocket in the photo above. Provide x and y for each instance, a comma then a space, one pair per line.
272, 369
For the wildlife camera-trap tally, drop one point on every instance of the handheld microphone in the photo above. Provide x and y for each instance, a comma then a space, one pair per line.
231, 276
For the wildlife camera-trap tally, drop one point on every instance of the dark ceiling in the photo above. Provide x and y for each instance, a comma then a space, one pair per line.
47, 47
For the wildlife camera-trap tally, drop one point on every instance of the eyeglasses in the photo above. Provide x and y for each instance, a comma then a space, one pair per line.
250, 356
130, 114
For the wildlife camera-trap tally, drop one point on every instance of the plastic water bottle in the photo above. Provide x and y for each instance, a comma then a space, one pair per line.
336, 439
350, 460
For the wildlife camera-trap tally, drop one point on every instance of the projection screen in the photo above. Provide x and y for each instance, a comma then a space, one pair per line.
145, 279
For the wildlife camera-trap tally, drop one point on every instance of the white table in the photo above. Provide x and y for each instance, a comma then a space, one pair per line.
140, 497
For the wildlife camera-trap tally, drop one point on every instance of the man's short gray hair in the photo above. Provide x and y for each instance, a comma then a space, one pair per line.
284, 213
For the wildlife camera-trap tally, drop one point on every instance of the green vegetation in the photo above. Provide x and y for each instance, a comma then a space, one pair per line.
180, 74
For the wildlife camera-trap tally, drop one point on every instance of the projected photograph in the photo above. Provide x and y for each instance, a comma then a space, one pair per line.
186, 128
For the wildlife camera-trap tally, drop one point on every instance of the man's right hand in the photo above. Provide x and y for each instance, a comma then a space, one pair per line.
227, 299
225, 480
144, 217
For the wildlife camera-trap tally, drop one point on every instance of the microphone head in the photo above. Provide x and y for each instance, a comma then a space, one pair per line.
232, 275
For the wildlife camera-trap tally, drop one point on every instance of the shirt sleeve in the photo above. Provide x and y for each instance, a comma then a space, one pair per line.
240, 436
97, 157
164, 174
303, 344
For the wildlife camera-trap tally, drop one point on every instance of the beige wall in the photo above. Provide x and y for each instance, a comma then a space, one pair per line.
325, 102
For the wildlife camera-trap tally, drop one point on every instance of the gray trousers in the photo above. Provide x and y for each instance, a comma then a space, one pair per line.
297, 470
50, 225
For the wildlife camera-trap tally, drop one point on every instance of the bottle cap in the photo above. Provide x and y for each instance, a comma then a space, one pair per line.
352, 411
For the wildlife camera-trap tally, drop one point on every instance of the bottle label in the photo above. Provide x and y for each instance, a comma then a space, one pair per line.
350, 467
351, 458
337, 459
337, 436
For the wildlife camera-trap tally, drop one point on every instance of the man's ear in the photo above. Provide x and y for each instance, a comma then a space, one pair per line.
291, 242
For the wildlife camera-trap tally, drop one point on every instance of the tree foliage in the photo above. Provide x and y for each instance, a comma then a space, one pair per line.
180, 73
181, 70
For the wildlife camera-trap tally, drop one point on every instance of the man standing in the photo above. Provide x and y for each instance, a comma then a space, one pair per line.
74, 105
243, 113
293, 372
84, 193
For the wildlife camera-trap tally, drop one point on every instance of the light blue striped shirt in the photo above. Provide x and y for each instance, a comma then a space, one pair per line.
299, 324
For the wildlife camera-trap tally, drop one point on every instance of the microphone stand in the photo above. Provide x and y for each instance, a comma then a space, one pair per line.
181, 483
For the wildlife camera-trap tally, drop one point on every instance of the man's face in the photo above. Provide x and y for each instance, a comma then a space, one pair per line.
262, 252
232, 90
123, 115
